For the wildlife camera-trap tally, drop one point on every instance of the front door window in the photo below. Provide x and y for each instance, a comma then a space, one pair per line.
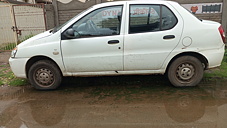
101, 22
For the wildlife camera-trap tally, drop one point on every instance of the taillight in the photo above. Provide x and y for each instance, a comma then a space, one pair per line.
222, 32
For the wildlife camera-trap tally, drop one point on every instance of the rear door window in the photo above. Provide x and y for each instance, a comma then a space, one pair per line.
150, 18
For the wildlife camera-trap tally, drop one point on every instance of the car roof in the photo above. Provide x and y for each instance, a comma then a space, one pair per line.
135, 2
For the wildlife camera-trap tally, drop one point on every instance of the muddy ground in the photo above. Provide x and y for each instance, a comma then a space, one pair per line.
116, 102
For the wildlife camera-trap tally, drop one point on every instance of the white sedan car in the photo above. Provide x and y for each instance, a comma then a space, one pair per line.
122, 38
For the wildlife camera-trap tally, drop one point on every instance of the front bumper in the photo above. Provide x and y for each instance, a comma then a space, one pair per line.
18, 66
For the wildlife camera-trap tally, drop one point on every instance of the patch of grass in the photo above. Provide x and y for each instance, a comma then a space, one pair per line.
18, 82
7, 77
225, 56
3, 65
220, 73
8, 46
1, 82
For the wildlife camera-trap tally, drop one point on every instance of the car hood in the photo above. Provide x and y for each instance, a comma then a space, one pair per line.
35, 39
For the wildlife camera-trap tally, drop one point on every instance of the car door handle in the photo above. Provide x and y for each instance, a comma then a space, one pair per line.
113, 42
168, 37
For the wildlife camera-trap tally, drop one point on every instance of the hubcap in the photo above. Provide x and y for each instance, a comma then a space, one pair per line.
44, 77
185, 72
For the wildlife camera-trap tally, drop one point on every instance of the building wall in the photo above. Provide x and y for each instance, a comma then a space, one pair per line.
50, 21
197, 1
71, 9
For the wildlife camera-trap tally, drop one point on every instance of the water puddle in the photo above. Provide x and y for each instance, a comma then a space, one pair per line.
126, 101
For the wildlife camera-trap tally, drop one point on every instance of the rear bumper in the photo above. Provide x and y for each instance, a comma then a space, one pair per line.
214, 56
18, 66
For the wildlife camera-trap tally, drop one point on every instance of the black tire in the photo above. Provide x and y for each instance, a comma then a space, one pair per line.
44, 75
185, 71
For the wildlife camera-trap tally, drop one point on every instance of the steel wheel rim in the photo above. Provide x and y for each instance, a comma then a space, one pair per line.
44, 77
185, 72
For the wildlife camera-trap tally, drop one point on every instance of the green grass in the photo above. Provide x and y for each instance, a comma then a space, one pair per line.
18, 82
7, 77
1, 83
8, 46
220, 72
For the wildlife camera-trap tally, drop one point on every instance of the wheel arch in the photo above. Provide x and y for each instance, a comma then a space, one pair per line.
38, 58
200, 57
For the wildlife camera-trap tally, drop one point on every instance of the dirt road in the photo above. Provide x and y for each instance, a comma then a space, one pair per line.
115, 102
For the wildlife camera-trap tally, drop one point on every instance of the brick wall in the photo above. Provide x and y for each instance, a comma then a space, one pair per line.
214, 17
197, 1
69, 10
65, 15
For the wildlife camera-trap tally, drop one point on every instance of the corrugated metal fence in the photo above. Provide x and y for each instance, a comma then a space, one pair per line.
19, 22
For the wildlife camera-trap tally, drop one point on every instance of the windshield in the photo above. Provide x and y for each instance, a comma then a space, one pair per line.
59, 27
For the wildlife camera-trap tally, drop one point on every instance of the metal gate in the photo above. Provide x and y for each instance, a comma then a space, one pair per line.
20, 22
8, 38
29, 20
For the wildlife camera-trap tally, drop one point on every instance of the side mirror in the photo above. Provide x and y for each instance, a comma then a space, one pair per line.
71, 34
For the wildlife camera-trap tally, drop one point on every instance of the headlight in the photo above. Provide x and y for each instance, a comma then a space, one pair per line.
13, 53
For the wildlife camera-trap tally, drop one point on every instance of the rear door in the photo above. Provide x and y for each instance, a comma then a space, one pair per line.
154, 30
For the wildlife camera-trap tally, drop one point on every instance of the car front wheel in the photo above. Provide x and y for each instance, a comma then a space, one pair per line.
44, 75
185, 71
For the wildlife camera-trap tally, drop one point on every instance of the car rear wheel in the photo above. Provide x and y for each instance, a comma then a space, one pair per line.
185, 71
45, 75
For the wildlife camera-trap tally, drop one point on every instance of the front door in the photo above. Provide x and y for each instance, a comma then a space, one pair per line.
94, 43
